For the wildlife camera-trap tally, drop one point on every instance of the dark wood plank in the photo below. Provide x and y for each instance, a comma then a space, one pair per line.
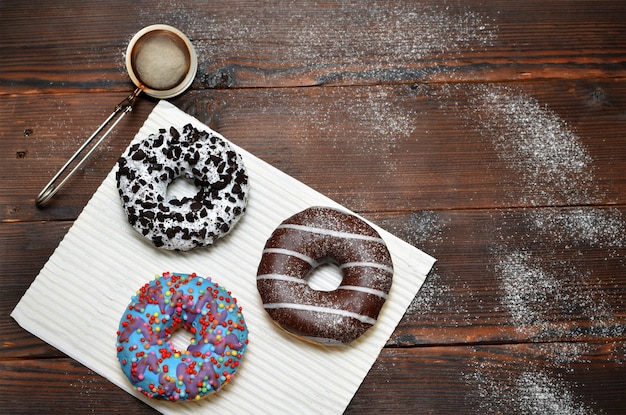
564, 378
555, 378
44, 132
378, 148
79, 46
62, 386
24, 249
516, 275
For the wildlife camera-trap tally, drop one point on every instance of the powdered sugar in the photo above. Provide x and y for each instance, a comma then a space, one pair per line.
373, 125
380, 124
554, 168
546, 155
360, 30
563, 355
542, 393
426, 226
433, 294
529, 392
602, 228
526, 290
539, 272
537, 299
347, 32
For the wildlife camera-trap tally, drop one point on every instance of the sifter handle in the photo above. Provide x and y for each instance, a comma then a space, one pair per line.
51, 188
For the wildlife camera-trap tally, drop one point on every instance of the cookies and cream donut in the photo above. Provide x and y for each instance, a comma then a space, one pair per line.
219, 338
299, 245
148, 167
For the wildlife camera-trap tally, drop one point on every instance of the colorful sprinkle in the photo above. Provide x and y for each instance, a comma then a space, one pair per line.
159, 308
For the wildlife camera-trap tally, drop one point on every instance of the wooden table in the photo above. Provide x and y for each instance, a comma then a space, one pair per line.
490, 134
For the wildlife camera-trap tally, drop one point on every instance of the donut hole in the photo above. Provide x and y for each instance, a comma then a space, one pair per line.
180, 340
181, 187
325, 277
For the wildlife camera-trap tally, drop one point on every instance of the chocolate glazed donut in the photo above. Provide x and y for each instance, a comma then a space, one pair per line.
299, 245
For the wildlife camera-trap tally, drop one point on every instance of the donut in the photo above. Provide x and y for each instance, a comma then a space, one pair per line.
181, 301
298, 246
148, 167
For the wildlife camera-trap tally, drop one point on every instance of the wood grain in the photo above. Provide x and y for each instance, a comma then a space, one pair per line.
271, 44
493, 379
486, 379
371, 148
488, 134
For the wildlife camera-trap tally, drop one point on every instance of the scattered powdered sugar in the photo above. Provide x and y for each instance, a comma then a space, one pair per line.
86, 386
439, 295
541, 393
602, 228
526, 291
550, 166
432, 294
544, 153
562, 355
553, 168
379, 123
426, 226
360, 30
373, 122
533, 391
346, 32
537, 299
556, 169
535, 380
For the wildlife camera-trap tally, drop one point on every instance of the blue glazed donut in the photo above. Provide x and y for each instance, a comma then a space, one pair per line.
181, 301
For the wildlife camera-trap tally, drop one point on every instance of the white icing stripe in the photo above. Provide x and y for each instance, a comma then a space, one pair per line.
298, 255
337, 234
367, 264
367, 290
360, 317
280, 277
